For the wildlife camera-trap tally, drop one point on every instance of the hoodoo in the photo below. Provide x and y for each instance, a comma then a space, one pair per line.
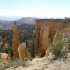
15, 40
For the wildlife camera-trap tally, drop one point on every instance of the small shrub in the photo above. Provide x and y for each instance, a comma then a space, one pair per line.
27, 53
16, 62
57, 47
13, 63
32, 47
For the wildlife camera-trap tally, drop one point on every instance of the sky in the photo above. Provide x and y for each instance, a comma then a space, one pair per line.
35, 8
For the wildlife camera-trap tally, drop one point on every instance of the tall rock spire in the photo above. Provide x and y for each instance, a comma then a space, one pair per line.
15, 40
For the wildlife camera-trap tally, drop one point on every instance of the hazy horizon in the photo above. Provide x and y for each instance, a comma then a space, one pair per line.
9, 18
14, 18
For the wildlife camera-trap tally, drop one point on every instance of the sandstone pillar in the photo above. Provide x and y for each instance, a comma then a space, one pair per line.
15, 41
22, 51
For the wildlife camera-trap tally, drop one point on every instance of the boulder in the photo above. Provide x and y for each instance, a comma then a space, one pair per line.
5, 56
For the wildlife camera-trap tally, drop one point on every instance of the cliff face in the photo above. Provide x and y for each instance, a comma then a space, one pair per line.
46, 29
15, 40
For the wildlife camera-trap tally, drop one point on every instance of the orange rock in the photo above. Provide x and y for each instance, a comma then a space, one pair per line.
15, 40
46, 29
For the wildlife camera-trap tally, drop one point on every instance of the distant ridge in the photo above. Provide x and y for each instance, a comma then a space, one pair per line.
25, 20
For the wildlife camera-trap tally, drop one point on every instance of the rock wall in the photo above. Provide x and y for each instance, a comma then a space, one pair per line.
15, 40
46, 29
63, 35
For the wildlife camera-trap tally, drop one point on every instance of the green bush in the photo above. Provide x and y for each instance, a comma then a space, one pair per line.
57, 47
32, 48
16, 62
27, 53
13, 63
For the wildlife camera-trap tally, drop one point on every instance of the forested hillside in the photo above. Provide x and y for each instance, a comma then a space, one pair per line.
26, 34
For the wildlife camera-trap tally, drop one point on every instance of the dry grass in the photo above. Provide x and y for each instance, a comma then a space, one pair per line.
13, 63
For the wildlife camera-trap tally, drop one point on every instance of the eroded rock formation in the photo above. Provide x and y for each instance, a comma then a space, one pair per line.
21, 51
63, 35
15, 40
46, 29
